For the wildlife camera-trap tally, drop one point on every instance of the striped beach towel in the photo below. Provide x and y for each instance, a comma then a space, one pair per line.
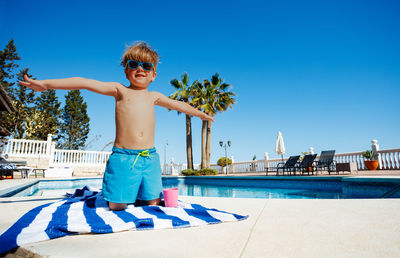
87, 212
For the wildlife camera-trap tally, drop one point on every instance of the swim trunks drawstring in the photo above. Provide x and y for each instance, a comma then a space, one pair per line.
144, 153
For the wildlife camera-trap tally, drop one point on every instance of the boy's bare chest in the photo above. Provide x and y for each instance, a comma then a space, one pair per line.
135, 103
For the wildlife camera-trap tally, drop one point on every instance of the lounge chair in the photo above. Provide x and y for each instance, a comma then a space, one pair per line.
307, 164
7, 169
288, 166
326, 161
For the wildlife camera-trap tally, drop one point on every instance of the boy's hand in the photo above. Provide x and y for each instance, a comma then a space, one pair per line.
207, 117
33, 84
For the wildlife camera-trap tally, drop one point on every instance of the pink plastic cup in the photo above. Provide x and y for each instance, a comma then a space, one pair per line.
170, 197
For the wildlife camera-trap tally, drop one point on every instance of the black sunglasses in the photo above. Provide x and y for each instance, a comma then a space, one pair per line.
134, 64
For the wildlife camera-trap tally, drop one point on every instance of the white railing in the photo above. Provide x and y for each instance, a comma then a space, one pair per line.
273, 163
388, 159
23, 148
247, 166
79, 157
350, 157
45, 150
250, 166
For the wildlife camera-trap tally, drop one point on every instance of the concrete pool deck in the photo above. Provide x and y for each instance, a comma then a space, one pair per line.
275, 228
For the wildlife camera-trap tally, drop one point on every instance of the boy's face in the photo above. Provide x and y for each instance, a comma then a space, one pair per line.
140, 78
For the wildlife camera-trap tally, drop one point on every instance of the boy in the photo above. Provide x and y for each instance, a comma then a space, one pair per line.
133, 172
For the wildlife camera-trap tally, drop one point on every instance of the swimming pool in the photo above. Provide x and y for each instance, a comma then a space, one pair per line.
241, 187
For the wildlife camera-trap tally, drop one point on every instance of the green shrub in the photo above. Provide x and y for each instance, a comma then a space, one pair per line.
189, 172
201, 172
208, 171
222, 162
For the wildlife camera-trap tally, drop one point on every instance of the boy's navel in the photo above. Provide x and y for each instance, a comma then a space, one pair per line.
140, 134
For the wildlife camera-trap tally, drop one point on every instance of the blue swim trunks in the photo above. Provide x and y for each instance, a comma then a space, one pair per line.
132, 175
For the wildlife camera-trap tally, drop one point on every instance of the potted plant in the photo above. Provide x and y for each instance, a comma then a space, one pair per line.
371, 161
223, 162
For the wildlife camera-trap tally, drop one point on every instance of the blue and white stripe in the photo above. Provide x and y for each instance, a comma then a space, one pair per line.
87, 212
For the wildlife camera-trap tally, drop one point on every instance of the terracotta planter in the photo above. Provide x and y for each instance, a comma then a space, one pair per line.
371, 164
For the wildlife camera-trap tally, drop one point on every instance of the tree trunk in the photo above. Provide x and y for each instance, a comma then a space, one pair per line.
208, 144
189, 152
203, 144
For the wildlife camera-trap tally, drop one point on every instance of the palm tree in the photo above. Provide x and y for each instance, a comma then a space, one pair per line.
211, 97
199, 100
184, 93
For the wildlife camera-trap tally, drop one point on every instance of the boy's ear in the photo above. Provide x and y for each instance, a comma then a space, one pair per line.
154, 76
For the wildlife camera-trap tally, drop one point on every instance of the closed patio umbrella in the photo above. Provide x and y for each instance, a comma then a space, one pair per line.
280, 146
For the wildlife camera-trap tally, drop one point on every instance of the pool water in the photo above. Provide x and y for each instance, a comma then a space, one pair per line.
251, 192
242, 187
57, 187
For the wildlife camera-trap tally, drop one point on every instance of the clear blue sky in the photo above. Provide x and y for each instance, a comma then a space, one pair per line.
324, 73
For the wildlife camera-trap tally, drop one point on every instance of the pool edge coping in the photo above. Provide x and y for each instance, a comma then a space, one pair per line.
392, 179
8, 192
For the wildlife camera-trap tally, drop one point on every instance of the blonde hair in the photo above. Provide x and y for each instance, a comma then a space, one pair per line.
141, 52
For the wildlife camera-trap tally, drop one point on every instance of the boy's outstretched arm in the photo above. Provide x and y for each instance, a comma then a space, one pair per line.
180, 106
75, 83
